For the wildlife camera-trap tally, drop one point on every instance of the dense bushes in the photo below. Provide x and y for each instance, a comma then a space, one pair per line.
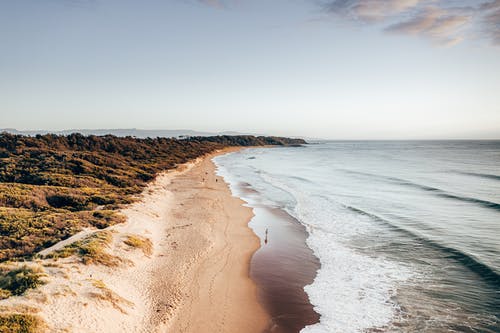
52, 186
248, 140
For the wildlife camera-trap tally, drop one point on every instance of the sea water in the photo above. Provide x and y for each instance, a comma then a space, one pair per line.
407, 233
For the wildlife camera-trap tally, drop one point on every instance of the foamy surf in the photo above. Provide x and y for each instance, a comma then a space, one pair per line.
352, 292
393, 257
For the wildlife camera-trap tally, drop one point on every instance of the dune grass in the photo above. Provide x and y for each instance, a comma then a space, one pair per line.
107, 295
20, 323
92, 250
140, 242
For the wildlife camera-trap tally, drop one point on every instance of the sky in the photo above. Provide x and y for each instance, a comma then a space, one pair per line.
337, 69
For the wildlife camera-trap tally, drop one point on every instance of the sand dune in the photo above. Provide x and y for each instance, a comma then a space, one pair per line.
195, 280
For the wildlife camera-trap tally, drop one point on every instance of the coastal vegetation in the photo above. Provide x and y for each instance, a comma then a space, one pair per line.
18, 280
140, 242
107, 295
20, 323
91, 250
53, 186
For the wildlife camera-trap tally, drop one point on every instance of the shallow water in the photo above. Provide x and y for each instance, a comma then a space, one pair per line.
407, 233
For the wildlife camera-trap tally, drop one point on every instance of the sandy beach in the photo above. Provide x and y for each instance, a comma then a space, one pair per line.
195, 279
212, 246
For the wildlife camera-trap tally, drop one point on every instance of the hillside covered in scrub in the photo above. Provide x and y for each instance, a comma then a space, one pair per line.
52, 186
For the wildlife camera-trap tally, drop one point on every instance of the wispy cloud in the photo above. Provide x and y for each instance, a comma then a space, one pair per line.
444, 22
491, 20
437, 24
369, 10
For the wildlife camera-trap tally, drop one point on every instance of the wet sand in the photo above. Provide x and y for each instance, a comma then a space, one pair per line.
281, 268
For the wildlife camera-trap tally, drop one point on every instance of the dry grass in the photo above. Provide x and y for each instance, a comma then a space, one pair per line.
21, 323
4, 294
92, 250
64, 291
38, 296
140, 242
18, 308
20, 319
107, 295
52, 265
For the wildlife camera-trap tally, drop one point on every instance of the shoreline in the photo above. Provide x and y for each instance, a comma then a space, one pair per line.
282, 267
195, 279
221, 295
283, 264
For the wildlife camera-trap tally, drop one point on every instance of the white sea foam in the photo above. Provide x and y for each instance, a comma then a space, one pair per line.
352, 291
329, 186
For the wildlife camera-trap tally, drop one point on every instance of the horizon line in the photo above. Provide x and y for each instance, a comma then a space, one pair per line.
216, 133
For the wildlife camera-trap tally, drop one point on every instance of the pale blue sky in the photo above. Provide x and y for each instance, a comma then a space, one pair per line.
345, 69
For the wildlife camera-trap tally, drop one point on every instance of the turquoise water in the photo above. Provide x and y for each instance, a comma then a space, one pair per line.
407, 233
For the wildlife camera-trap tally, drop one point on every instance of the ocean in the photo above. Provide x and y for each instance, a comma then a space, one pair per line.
398, 236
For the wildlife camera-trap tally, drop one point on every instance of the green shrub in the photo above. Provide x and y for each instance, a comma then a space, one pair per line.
18, 280
72, 202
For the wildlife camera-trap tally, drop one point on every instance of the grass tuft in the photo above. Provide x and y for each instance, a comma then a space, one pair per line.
92, 250
4, 294
140, 242
107, 295
17, 281
20, 323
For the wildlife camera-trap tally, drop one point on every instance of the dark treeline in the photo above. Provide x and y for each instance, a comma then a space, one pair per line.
28, 159
249, 140
51, 186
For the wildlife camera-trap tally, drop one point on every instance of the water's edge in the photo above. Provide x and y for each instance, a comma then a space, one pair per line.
282, 266
404, 232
